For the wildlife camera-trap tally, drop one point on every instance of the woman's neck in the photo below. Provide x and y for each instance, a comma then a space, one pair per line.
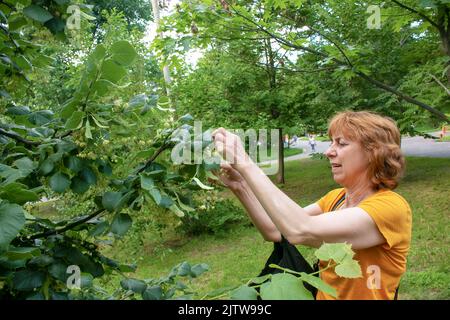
353, 196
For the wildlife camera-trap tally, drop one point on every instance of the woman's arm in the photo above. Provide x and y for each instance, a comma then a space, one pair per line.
240, 188
257, 214
352, 225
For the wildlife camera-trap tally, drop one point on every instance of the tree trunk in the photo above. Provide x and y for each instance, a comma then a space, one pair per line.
443, 24
166, 71
280, 174
271, 72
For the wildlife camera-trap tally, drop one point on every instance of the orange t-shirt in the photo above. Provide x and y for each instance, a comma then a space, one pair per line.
382, 266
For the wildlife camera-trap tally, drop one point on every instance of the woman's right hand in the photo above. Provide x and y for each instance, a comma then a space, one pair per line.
230, 177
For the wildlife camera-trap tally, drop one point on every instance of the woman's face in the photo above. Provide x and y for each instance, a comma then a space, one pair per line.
348, 161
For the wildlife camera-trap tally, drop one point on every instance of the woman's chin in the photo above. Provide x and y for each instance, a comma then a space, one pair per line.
337, 178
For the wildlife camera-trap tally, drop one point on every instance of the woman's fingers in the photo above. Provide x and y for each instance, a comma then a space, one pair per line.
225, 165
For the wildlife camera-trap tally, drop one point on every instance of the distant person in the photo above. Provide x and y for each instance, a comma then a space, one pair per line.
443, 132
312, 143
286, 141
294, 139
366, 160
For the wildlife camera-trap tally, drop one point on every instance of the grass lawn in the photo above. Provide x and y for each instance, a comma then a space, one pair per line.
287, 153
240, 254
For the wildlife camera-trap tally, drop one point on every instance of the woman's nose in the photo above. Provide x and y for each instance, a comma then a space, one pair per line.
330, 152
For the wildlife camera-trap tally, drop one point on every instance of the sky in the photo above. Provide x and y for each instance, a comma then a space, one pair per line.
192, 56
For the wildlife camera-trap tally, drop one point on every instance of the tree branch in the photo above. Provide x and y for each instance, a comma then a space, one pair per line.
403, 96
18, 138
153, 158
358, 73
447, 90
68, 227
434, 24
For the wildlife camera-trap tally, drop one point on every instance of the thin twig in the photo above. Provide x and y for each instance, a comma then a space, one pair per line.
68, 227
18, 138
447, 90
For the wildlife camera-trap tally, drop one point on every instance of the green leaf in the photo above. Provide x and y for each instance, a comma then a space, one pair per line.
86, 280
183, 269
186, 118
135, 285
73, 163
37, 13
59, 182
138, 101
79, 185
166, 202
12, 220
24, 164
69, 108
319, 284
152, 293
147, 183
87, 132
156, 195
99, 122
201, 185
98, 54
41, 261
17, 22
17, 193
184, 206
18, 111
27, 280
99, 229
102, 87
120, 224
41, 117
123, 53
285, 286
174, 208
58, 271
111, 200
244, 293
56, 25
75, 121
112, 71
88, 175
262, 279
348, 269
199, 269
20, 253
338, 252
47, 166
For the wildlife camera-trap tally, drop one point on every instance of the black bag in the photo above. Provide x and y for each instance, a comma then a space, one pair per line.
287, 256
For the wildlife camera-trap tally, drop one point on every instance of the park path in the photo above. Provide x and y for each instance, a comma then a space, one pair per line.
411, 146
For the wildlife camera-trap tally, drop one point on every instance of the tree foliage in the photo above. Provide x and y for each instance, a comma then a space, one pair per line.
65, 151
327, 58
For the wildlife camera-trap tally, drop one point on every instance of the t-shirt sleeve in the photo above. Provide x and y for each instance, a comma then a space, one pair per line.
321, 203
392, 215
325, 202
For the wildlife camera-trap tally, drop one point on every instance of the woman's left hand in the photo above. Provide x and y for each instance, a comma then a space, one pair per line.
230, 148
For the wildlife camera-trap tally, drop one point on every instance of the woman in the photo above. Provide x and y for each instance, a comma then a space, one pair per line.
367, 162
